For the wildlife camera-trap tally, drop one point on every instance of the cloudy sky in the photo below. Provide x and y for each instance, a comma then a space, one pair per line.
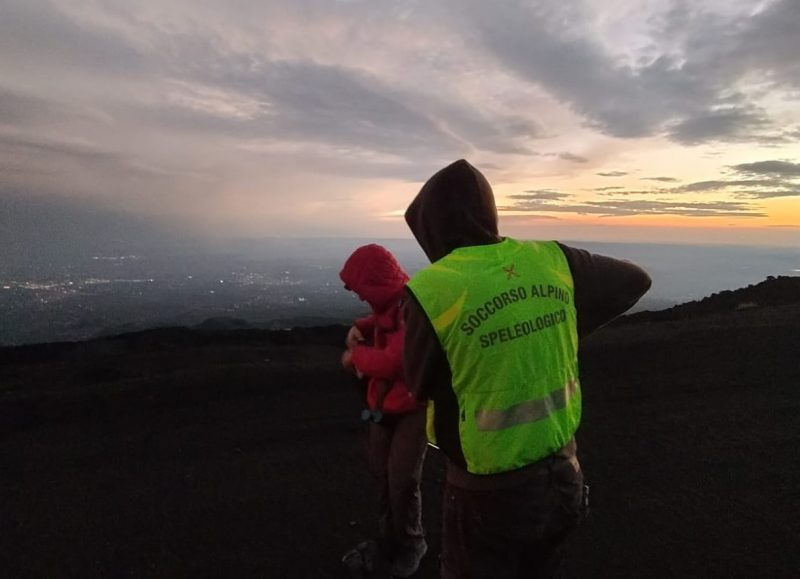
655, 120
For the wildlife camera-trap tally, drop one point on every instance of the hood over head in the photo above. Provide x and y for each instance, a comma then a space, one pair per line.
375, 275
455, 208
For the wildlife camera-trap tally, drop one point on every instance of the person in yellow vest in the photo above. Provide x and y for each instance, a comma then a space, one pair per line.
492, 334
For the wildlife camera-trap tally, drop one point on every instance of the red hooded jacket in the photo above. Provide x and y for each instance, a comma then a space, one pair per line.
374, 274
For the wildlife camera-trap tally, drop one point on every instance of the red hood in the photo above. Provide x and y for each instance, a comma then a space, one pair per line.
374, 274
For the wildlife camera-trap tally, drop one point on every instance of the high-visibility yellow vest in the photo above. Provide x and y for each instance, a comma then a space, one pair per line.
505, 317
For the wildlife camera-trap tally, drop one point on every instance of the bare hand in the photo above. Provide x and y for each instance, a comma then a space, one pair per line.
354, 337
347, 360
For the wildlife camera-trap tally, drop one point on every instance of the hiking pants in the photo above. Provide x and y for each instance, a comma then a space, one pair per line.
396, 449
514, 532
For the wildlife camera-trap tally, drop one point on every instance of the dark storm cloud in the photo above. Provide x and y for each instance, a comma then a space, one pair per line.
716, 185
788, 191
59, 41
694, 89
719, 53
306, 100
507, 133
776, 168
21, 110
686, 209
772, 179
509, 219
780, 183
296, 100
12, 145
722, 125
329, 103
291, 101
628, 192
573, 158
530, 42
40, 162
771, 42
564, 156
625, 207
542, 194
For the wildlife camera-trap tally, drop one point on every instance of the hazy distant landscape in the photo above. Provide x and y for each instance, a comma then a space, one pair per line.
277, 284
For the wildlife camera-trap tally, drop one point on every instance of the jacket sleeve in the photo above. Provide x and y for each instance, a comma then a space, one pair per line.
382, 363
425, 364
366, 325
604, 287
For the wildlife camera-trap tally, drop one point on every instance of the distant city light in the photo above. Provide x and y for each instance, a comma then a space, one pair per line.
84, 299
115, 257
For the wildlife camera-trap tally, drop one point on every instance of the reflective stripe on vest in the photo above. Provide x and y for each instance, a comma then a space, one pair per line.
505, 317
529, 411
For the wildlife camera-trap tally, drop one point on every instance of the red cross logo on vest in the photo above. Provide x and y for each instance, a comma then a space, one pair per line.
510, 271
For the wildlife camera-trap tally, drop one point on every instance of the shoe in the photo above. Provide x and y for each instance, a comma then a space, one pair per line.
353, 562
365, 560
407, 564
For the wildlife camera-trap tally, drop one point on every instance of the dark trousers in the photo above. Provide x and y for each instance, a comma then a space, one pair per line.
515, 532
396, 449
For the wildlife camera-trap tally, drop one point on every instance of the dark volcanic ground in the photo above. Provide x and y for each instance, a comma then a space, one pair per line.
183, 453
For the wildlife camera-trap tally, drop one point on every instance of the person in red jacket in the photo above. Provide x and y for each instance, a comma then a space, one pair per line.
396, 440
